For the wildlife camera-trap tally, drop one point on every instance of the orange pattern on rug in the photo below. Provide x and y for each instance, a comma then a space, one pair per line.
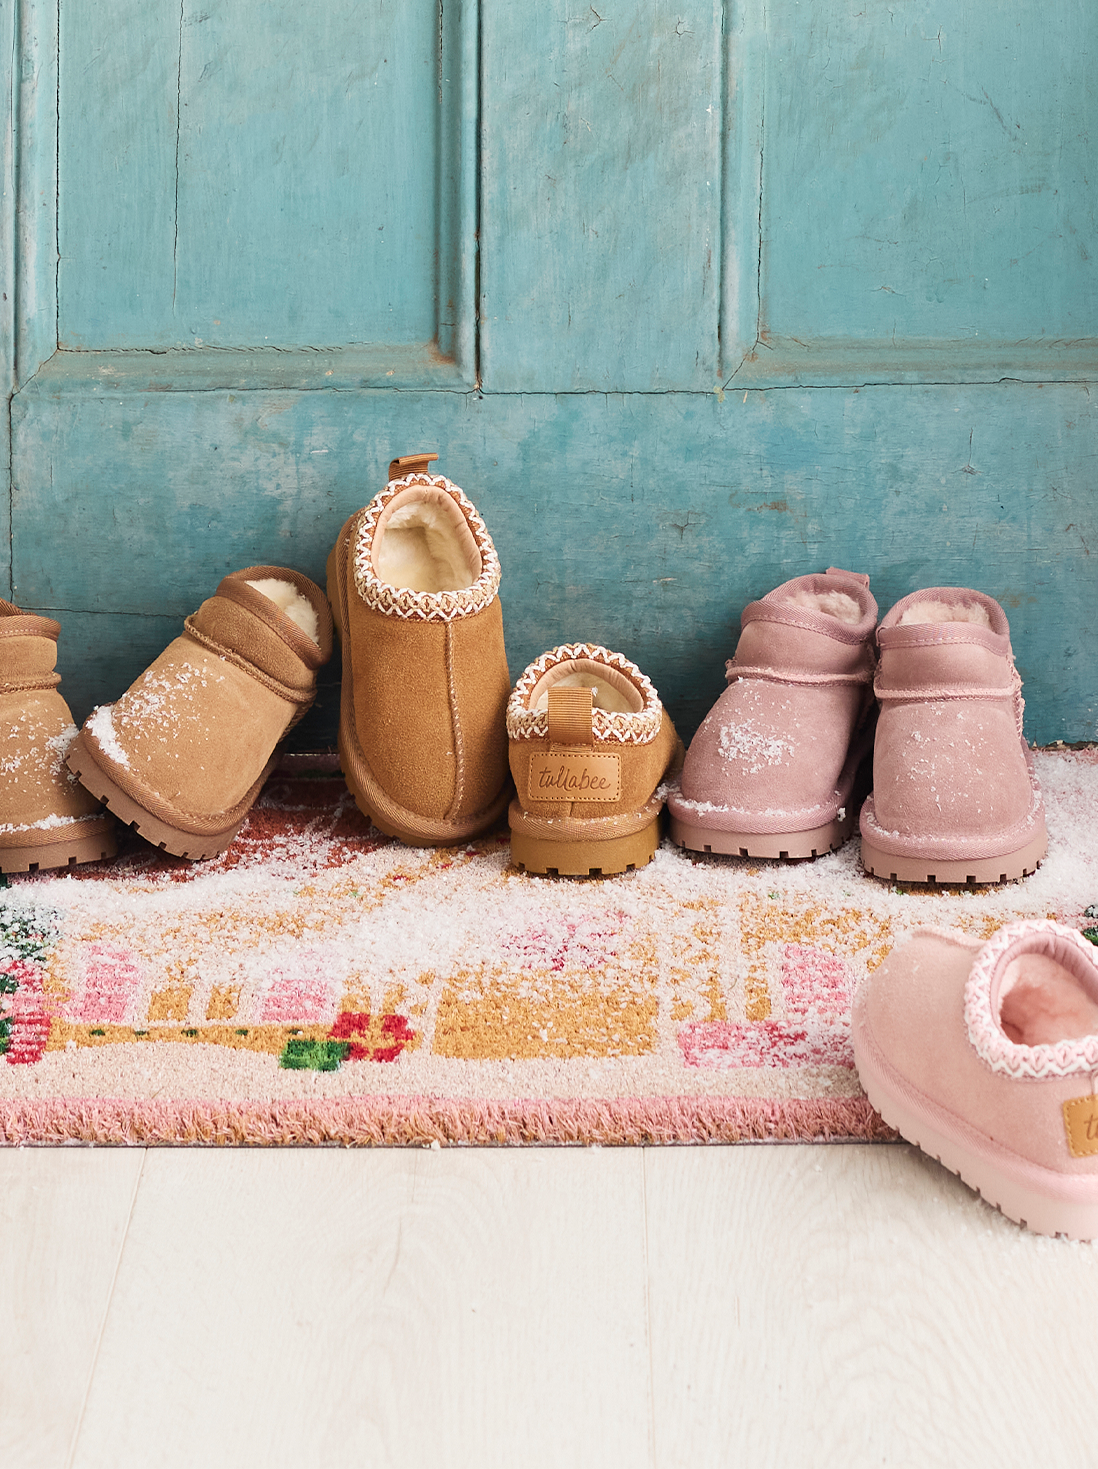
338, 986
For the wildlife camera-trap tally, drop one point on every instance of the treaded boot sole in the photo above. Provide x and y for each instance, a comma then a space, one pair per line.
1037, 1198
167, 838
890, 868
46, 856
791, 846
585, 859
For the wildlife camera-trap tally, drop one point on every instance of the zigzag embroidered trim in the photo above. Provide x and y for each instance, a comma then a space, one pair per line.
641, 728
1065, 1058
425, 606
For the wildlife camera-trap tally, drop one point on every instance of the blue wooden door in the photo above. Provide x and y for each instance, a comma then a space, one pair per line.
690, 298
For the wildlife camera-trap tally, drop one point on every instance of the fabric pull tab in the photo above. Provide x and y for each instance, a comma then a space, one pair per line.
570, 716
858, 576
410, 464
1081, 1126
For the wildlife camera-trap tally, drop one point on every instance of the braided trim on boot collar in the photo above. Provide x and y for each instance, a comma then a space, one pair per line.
524, 723
992, 1045
415, 606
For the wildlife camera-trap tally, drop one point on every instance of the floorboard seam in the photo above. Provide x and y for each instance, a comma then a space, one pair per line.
106, 1313
648, 1315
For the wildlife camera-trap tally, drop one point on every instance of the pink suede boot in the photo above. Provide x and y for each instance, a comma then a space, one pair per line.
954, 794
986, 1057
771, 771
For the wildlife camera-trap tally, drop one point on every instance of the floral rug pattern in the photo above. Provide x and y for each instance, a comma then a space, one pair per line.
317, 967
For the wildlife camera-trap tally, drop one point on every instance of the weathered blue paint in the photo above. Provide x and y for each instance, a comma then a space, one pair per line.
644, 521
601, 195
926, 171
739, 273
216, 192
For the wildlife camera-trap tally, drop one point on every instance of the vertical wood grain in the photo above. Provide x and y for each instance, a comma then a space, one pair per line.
601, 195
9, 29
456, 150
258, 175
119, 112
744, 61
34, 59
928, 171
63, 1219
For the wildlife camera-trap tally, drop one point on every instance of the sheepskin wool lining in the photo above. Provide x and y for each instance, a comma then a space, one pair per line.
443, 604
609, 690
634, 727
938, 611
425, 546
288, 599
1007, 958
1041, 1002
840, 605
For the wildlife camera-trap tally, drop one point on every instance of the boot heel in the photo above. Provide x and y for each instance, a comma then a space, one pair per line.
585, 858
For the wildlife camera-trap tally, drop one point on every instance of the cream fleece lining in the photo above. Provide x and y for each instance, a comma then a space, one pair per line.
1042, 1001
423, 544
834, 604
935, 611
611, 690
297, 608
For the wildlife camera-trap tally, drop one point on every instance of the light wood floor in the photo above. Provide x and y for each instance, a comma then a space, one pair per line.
670, 1307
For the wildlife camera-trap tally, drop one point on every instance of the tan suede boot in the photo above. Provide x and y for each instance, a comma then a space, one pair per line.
46, 818
184, 753
590, 743
414, 585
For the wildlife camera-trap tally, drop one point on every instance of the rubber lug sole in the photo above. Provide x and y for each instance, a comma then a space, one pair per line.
47, 856
1025, 1206
158, 833
790, 846
585, 859
966, 873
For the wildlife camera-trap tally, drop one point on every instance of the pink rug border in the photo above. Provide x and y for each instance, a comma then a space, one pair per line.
388, 1121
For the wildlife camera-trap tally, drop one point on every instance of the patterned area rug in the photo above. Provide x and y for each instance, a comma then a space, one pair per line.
319, 983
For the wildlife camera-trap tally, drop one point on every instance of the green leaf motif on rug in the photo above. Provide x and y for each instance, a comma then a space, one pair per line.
28, 933
306, 1055
27, 936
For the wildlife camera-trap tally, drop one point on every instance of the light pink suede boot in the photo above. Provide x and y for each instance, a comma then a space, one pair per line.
954, 794
771, 771
986, 1057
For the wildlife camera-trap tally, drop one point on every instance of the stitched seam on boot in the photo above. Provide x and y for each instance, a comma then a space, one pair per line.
292, 696
791, 676
26, 685
455, 720
200, 823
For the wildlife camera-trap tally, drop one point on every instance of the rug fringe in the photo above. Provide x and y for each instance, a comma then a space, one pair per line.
426, 1121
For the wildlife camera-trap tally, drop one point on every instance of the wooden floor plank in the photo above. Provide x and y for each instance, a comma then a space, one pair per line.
405, 1308
858, 1306
63, 1217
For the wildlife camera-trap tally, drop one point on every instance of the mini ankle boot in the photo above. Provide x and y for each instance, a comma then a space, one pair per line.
985, 1056
954, 796
183, 754
414, 585
590, 743
46, 819
773, 770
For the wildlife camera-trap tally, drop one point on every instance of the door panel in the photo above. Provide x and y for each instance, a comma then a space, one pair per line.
601, 195
645, 521
259, 174
926, 172
679, 401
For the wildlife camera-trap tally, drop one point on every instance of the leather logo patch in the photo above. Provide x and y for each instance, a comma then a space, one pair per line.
1081, 1126
575, 778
